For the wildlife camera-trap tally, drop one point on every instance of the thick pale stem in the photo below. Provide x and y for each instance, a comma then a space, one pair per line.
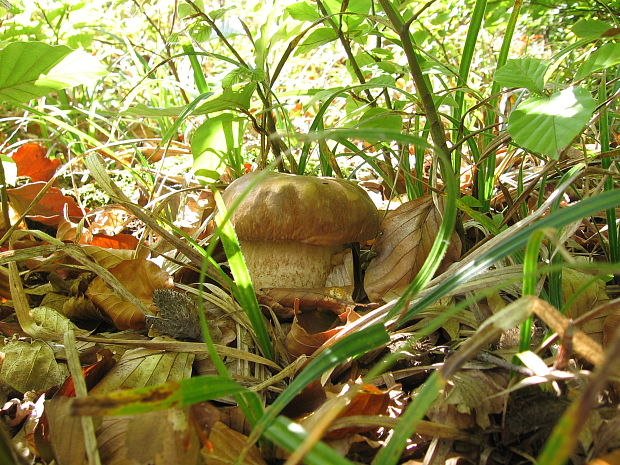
288, 264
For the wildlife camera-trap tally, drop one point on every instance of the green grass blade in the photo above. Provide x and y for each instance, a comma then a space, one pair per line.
408, 421
469, 48
290, 436
530, 279
243, 290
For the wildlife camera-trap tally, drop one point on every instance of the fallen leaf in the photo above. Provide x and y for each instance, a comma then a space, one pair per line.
226, 444
612, 458
405, 239
109, 258
32, 161
64, 432
49, 209
469, 399
311, 330
144, 367
140, 277
285, 301
586, 300
154, 438
30, 366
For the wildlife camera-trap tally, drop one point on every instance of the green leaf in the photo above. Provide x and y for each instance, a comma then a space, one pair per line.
605, 57
590, 28
213, 139
316, 38
30, 70
152, 112
303, 11
548, 124
380, 118
522, 72
236, 97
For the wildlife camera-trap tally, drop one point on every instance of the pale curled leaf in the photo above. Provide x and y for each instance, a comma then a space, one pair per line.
141, 278
157, 438
30, 366
143, 367
406, 237
226, 444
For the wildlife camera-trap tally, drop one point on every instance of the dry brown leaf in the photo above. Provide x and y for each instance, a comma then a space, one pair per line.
74, 308
593, 295
612, 458
108, 258
286, 301
140, 277
144, 367
405, 239
32, 161
49, 208
226, 444
470, 399
311, 330
65, 432
154, 438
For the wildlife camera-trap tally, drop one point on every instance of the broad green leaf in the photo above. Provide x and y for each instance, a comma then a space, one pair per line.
152, 112
605, 57
316, 38
380, 119
211, 141
590, 28
522, 72
236, 97
303, 11
548, 124
161, 396
29, 70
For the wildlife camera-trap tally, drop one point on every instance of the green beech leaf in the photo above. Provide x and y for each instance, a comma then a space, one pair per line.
303, 11
523, 72
212, 140
590, 28
605, 57
29, 70
318, 37
548, 124
232, 98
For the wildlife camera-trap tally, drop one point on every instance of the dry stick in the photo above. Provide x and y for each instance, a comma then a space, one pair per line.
88, 427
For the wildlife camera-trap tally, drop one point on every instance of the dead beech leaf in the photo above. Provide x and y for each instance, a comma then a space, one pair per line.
405, 239
285, 301
613, 458
73, 307
140, 277
118, 241
144, 367
65, 432
311, 330
50, 207
30, 366
109, 258
593, 295
470, 398
369, 400
32, 161
154, 438
226, 443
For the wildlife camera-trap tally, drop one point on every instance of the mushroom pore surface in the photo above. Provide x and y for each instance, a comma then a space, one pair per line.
289, 226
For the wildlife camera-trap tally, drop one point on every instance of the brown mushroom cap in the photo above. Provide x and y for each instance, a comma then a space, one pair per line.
311, 210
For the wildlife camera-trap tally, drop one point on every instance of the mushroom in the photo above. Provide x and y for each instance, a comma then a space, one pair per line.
289, 226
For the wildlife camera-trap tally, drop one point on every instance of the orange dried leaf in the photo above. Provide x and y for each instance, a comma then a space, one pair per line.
140, 277
311, 330
406, 237
50, 207
32, 161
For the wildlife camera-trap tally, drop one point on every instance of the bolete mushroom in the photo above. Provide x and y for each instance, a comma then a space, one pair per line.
289, 226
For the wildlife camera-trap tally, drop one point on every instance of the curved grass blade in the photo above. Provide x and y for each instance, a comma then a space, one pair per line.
244, 290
